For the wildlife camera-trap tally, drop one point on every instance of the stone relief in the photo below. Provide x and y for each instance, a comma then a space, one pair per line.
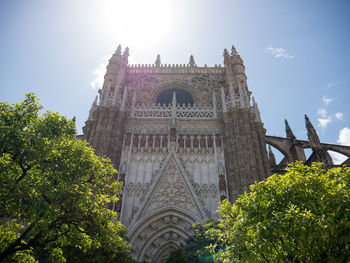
172, 190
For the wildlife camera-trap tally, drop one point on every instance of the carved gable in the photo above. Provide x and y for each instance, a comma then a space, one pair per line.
172, 188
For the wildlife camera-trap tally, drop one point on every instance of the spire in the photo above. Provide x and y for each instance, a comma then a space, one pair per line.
126, 52
119, 50
272, 157
115, 59
126, 56
226, 57
233, 51
192, 63
158, 61
312, 134
289, 133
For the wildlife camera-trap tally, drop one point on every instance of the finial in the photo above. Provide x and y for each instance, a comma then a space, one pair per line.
192, 63
289, 133
233, 50
226, 57
126, 56
119, 50
312, 134
126, 52
272, 157
158, 61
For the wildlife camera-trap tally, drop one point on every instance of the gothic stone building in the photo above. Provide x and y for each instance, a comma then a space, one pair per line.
183, 138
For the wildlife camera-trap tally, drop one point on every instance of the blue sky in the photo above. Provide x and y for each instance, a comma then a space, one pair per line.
296, 53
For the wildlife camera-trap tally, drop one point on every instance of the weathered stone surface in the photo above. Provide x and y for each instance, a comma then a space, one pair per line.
177, 162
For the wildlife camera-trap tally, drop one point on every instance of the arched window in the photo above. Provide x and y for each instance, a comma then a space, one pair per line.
182, 97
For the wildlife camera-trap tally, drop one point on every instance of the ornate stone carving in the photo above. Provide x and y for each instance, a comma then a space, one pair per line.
156, 243
175, 220
174, 236
142, 235
167, 236
148, 253
154, 226
172, 190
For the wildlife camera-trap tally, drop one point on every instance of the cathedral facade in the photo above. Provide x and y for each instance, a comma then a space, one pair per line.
184, 138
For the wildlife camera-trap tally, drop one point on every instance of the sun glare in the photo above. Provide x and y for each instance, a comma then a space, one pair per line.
137, 23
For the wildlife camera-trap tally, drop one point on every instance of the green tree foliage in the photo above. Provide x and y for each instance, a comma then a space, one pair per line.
177, 256
54, 192
196, 248
302, 216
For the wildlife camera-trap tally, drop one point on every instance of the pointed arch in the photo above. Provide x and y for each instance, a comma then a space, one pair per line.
155, 231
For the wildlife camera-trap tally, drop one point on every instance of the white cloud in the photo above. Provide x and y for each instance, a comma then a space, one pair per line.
322, 112
99, 73
279, 52
323, 122
343, 139
331, 85
339, 115
327, 100
344, 136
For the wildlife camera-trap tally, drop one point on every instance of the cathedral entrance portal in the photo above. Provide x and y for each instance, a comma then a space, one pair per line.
168, 211
159, 233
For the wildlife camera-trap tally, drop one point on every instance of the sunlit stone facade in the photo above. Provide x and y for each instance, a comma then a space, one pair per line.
178, 161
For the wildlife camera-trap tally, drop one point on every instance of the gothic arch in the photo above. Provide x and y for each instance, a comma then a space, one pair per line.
280, 149
163, 237
160, 232
185, 86
164, 252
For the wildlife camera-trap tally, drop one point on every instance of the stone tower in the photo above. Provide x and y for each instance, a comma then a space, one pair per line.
183, 138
